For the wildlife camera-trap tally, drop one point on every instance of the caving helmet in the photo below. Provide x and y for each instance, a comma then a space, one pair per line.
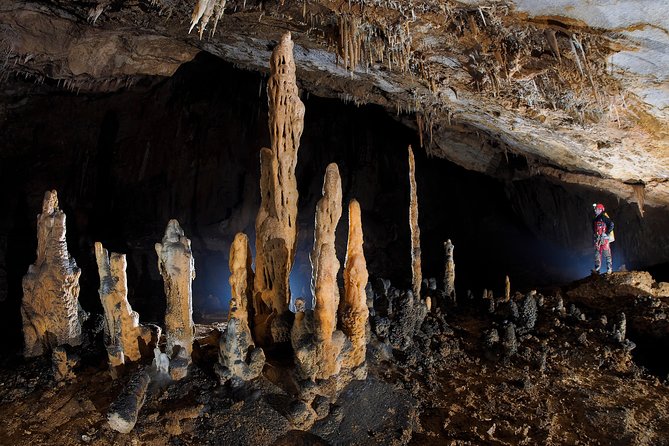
598, 208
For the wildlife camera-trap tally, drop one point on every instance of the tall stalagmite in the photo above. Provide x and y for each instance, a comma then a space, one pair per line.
276, 223
177, 266
416, 272
123, 334
449, 271
236, 344
354, 313
318, 356
50, 310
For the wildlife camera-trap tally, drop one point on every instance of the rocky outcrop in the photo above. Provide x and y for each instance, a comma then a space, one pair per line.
177, 266
354, 314
239, 359
318, 346
50, 309
416, 272
125, 338
276, 223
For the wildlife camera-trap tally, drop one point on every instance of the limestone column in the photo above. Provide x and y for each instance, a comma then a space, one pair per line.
276, 223
354, 313
177, 266
416, 272
124, 335
50, 309
237, 344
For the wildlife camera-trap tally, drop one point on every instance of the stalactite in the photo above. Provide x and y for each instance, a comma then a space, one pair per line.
50, 309
177, 266
203, 12
640, 193
276, 223
123, 333
416, 273
354, 313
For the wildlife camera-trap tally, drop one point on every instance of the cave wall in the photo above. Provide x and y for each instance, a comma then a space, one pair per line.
187, 147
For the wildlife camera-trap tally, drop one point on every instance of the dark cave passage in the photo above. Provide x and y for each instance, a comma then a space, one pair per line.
187, 148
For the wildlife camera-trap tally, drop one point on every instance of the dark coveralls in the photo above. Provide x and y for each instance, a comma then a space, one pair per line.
602, 227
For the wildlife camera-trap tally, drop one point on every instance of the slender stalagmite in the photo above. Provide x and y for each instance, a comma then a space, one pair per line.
354, 312
50, 309
449, 271
123, 333
236, 344
177, 266
416, 273
507, 289
276, 223
318, 356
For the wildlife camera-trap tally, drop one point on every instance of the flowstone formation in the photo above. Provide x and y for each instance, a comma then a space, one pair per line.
317, 352
276, 223
125, 338
236, 344
177, 266
416, 273
50, 310
354, 312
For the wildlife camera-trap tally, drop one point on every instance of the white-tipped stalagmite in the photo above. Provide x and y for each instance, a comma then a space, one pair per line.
449, 271
239, 359
124, 336
354, 313
177, 266
276, 223
50, 309
416, 272
318, 356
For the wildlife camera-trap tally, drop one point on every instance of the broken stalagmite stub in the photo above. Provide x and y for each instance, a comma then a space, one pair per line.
177, 266
50, 310
276, 223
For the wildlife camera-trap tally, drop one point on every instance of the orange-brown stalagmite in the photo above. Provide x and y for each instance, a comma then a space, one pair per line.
449, 271
416, 272
50, 309
276, 223
236, 344
354, 314
123, 333
319, 357
177, 266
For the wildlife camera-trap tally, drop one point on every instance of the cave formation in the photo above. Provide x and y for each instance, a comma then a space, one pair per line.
238, 323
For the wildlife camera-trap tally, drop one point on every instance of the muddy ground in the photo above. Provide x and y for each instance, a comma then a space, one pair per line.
571, 374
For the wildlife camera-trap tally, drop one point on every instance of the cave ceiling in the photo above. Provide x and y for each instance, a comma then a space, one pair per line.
575, 91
